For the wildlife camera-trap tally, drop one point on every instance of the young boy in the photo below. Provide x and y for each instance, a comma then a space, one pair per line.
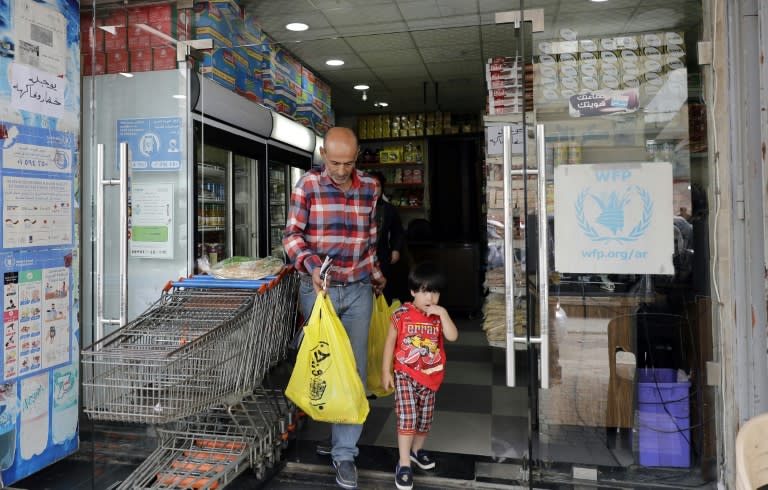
415, 344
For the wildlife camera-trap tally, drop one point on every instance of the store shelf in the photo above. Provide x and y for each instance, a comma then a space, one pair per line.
371, 166
211, 170
412, 185
210, 201
211, 228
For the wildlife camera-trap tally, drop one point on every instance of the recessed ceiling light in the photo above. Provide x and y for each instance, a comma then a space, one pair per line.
334, 62
127, 75
361, 86
381, 104
297, 26
179, 96
598, 1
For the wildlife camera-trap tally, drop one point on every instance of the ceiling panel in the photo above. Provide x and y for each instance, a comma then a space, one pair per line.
463, 52
395, 57
447, 37
332, 5
267, 8
450, 8
418, 10
320, 48
658, 18
443, 22
449, 71
374, 14
381, 42
611, 21
417, 71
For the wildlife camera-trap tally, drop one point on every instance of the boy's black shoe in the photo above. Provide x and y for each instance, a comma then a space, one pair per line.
422, 459
403, 477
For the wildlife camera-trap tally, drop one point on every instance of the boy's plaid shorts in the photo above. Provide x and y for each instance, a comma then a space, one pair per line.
414, 405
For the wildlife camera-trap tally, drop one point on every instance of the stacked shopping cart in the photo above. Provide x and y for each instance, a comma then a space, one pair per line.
194, 364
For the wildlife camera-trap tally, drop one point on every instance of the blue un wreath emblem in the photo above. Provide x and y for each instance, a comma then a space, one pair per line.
609, 214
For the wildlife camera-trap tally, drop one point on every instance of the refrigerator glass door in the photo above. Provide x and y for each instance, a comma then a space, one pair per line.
211, 237
244, 223
279, 194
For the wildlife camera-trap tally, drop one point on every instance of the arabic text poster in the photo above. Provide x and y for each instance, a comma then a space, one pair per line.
154, 144
614, 218
37, 91
27, 148
36, 212
30, 319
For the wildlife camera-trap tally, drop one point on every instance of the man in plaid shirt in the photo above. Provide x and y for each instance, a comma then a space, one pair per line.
332, 215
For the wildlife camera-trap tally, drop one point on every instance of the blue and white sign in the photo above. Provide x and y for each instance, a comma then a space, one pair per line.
154, 144
614, 218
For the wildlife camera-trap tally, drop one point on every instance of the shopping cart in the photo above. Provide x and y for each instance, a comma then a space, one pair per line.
194, 363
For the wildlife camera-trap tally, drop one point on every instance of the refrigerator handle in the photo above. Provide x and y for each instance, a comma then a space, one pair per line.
101, 183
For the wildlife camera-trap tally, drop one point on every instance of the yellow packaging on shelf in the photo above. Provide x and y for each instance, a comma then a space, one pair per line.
392, 154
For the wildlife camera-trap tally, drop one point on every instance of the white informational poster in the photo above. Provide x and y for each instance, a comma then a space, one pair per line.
494, 138
614, 218
37, 91
41, 34
151, 220
36, 212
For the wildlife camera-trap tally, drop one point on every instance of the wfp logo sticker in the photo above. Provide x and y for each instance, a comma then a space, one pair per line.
613, 216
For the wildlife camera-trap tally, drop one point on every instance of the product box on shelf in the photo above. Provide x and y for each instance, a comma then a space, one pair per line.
138, 15
219, 66
116, 36
141, 60
184, 24
94, 64
164, 58
90, 39
209, 22
138, 38
280, 60
117, 61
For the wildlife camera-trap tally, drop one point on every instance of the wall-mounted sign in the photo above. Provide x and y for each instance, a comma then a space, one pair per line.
614, 218
154, 144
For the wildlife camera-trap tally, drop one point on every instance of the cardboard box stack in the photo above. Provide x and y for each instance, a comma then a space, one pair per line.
243, 58
645, 63
126, 47
510, 87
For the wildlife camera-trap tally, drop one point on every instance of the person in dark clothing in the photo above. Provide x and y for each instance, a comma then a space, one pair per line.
389, 247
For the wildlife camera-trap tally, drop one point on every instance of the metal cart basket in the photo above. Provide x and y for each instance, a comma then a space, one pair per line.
195, 362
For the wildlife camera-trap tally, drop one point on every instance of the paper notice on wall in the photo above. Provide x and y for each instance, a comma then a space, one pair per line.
37, 91
36, 212
41, 37
494, 139
151, 216
614, 218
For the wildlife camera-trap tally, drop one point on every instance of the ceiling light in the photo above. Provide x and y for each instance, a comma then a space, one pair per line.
598, 1
334, 62
179, 96
297, 26
381, 104
127, 75
365, 95
362, 86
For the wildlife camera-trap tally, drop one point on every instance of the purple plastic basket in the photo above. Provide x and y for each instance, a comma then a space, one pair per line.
664, 419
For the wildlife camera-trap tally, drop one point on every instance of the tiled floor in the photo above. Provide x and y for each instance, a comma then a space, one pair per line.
480, 434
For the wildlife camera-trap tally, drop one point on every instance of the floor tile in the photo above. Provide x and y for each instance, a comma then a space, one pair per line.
452, 432
464, 398
509, 401
509, 436
473, 373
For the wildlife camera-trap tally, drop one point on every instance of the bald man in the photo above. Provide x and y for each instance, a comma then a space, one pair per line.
332, 215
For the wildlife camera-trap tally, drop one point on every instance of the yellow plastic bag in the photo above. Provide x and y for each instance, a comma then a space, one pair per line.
325, 383
377, 337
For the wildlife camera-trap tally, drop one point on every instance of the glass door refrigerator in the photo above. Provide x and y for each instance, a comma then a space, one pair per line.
226, 180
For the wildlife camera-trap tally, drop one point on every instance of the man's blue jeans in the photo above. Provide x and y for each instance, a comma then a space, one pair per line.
353, 304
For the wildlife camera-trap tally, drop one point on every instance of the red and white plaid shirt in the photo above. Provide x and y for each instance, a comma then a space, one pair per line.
324, 221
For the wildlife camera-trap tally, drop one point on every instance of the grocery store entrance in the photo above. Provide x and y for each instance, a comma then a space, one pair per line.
584, 360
